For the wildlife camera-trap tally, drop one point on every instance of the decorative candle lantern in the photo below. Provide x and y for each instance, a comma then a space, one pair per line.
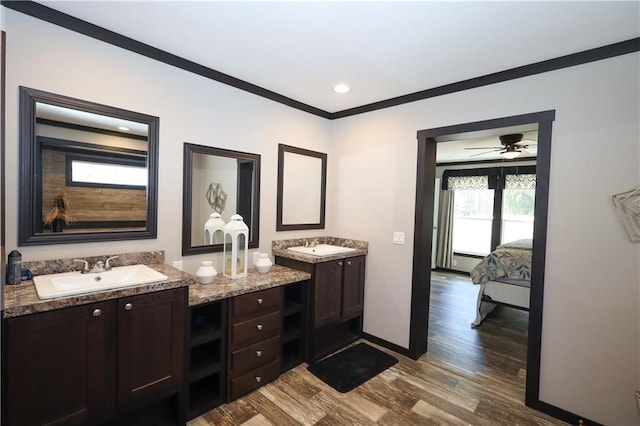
236, 247
214, 229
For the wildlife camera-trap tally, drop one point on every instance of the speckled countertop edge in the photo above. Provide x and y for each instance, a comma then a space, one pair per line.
23, 299
223, 287
279, 248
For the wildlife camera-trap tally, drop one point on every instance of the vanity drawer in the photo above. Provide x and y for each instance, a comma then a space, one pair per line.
254, 330
254, 356
269, 300
254, 379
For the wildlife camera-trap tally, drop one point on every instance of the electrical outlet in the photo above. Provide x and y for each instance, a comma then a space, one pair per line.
178, 264
638, 399
455, 263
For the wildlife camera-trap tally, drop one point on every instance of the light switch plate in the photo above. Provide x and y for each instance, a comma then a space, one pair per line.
398, 238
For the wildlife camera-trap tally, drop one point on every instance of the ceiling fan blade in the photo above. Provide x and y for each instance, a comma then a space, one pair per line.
486, 152
486, 147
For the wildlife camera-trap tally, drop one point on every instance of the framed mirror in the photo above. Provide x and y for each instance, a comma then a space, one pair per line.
302, 182
217, 184
88, 172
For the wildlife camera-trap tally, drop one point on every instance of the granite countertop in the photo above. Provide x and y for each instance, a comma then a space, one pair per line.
280, 248
22, 299
223, 287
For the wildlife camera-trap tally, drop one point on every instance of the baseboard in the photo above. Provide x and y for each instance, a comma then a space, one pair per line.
561, 414
388, 345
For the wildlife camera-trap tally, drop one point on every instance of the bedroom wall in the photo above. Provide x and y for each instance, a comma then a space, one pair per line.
590, 331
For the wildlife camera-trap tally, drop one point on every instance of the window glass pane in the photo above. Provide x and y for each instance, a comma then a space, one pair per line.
106, 173
472, 217
517, 214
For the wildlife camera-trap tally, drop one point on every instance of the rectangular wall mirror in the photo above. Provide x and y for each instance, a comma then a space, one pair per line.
302, 180
88, 172
217, 184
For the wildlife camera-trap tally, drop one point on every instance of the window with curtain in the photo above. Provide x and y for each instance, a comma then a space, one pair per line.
517, 207
472, 221
491, 206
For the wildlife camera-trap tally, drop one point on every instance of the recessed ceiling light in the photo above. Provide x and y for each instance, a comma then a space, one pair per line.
124, 129
341, 88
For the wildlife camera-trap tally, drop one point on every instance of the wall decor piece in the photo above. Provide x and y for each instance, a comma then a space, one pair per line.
216, 197
628, 207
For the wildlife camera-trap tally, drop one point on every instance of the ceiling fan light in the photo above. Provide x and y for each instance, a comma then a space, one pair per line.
510, 153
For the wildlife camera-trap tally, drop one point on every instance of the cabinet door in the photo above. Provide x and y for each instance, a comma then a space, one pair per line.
151, 345
59, 367
353, 287
327, 292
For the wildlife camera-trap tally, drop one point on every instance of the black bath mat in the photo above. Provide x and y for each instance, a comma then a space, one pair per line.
352, 367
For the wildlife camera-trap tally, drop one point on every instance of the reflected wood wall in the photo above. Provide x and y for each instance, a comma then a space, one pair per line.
90, 204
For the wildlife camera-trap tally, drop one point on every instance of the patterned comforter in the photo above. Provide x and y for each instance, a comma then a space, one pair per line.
509, 260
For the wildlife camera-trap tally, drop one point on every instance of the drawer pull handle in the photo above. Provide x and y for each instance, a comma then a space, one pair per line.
348, 263
258, 354
258, 379
259, 327
128, 307
339, 263
97, 312
260, 301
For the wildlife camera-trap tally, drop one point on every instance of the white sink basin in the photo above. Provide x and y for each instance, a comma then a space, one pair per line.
72, 283
322, 250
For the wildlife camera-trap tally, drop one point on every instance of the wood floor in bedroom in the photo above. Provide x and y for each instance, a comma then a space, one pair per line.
468, 376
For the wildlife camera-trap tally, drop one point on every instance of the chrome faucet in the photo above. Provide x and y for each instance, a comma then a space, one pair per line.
99, 266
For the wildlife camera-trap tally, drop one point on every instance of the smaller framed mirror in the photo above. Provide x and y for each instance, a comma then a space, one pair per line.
302, 183
217, 184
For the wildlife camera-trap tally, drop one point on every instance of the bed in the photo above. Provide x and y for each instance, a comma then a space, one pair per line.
503, 277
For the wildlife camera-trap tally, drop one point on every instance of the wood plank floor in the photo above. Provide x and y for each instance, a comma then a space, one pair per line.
468, 376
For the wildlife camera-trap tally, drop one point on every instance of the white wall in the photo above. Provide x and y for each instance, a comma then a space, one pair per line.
590, 356
191, 109
590, 331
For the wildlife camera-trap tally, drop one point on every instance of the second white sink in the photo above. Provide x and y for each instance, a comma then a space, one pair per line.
322, 250
72, 283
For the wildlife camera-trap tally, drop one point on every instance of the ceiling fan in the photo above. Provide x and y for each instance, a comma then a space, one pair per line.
513, 145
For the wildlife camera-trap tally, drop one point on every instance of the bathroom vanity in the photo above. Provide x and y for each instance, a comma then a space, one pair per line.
336, 289
89, 358
158, 353
166, 352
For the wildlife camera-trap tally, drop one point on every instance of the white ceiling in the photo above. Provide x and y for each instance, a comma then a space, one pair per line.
300, 49
382, 49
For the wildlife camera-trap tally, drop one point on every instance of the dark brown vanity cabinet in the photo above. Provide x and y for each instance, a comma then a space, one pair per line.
82, 364
336, 301
255, 322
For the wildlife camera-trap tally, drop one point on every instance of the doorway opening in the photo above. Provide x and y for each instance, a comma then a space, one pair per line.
423, 235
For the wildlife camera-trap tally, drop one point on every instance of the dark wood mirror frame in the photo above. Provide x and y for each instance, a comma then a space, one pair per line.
249, 179
30, 216
280, 226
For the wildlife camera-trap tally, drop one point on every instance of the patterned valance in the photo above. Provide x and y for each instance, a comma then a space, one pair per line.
521, 177
520, 181
458, 183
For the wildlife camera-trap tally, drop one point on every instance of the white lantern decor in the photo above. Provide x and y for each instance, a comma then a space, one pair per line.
236, 248
214, 229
